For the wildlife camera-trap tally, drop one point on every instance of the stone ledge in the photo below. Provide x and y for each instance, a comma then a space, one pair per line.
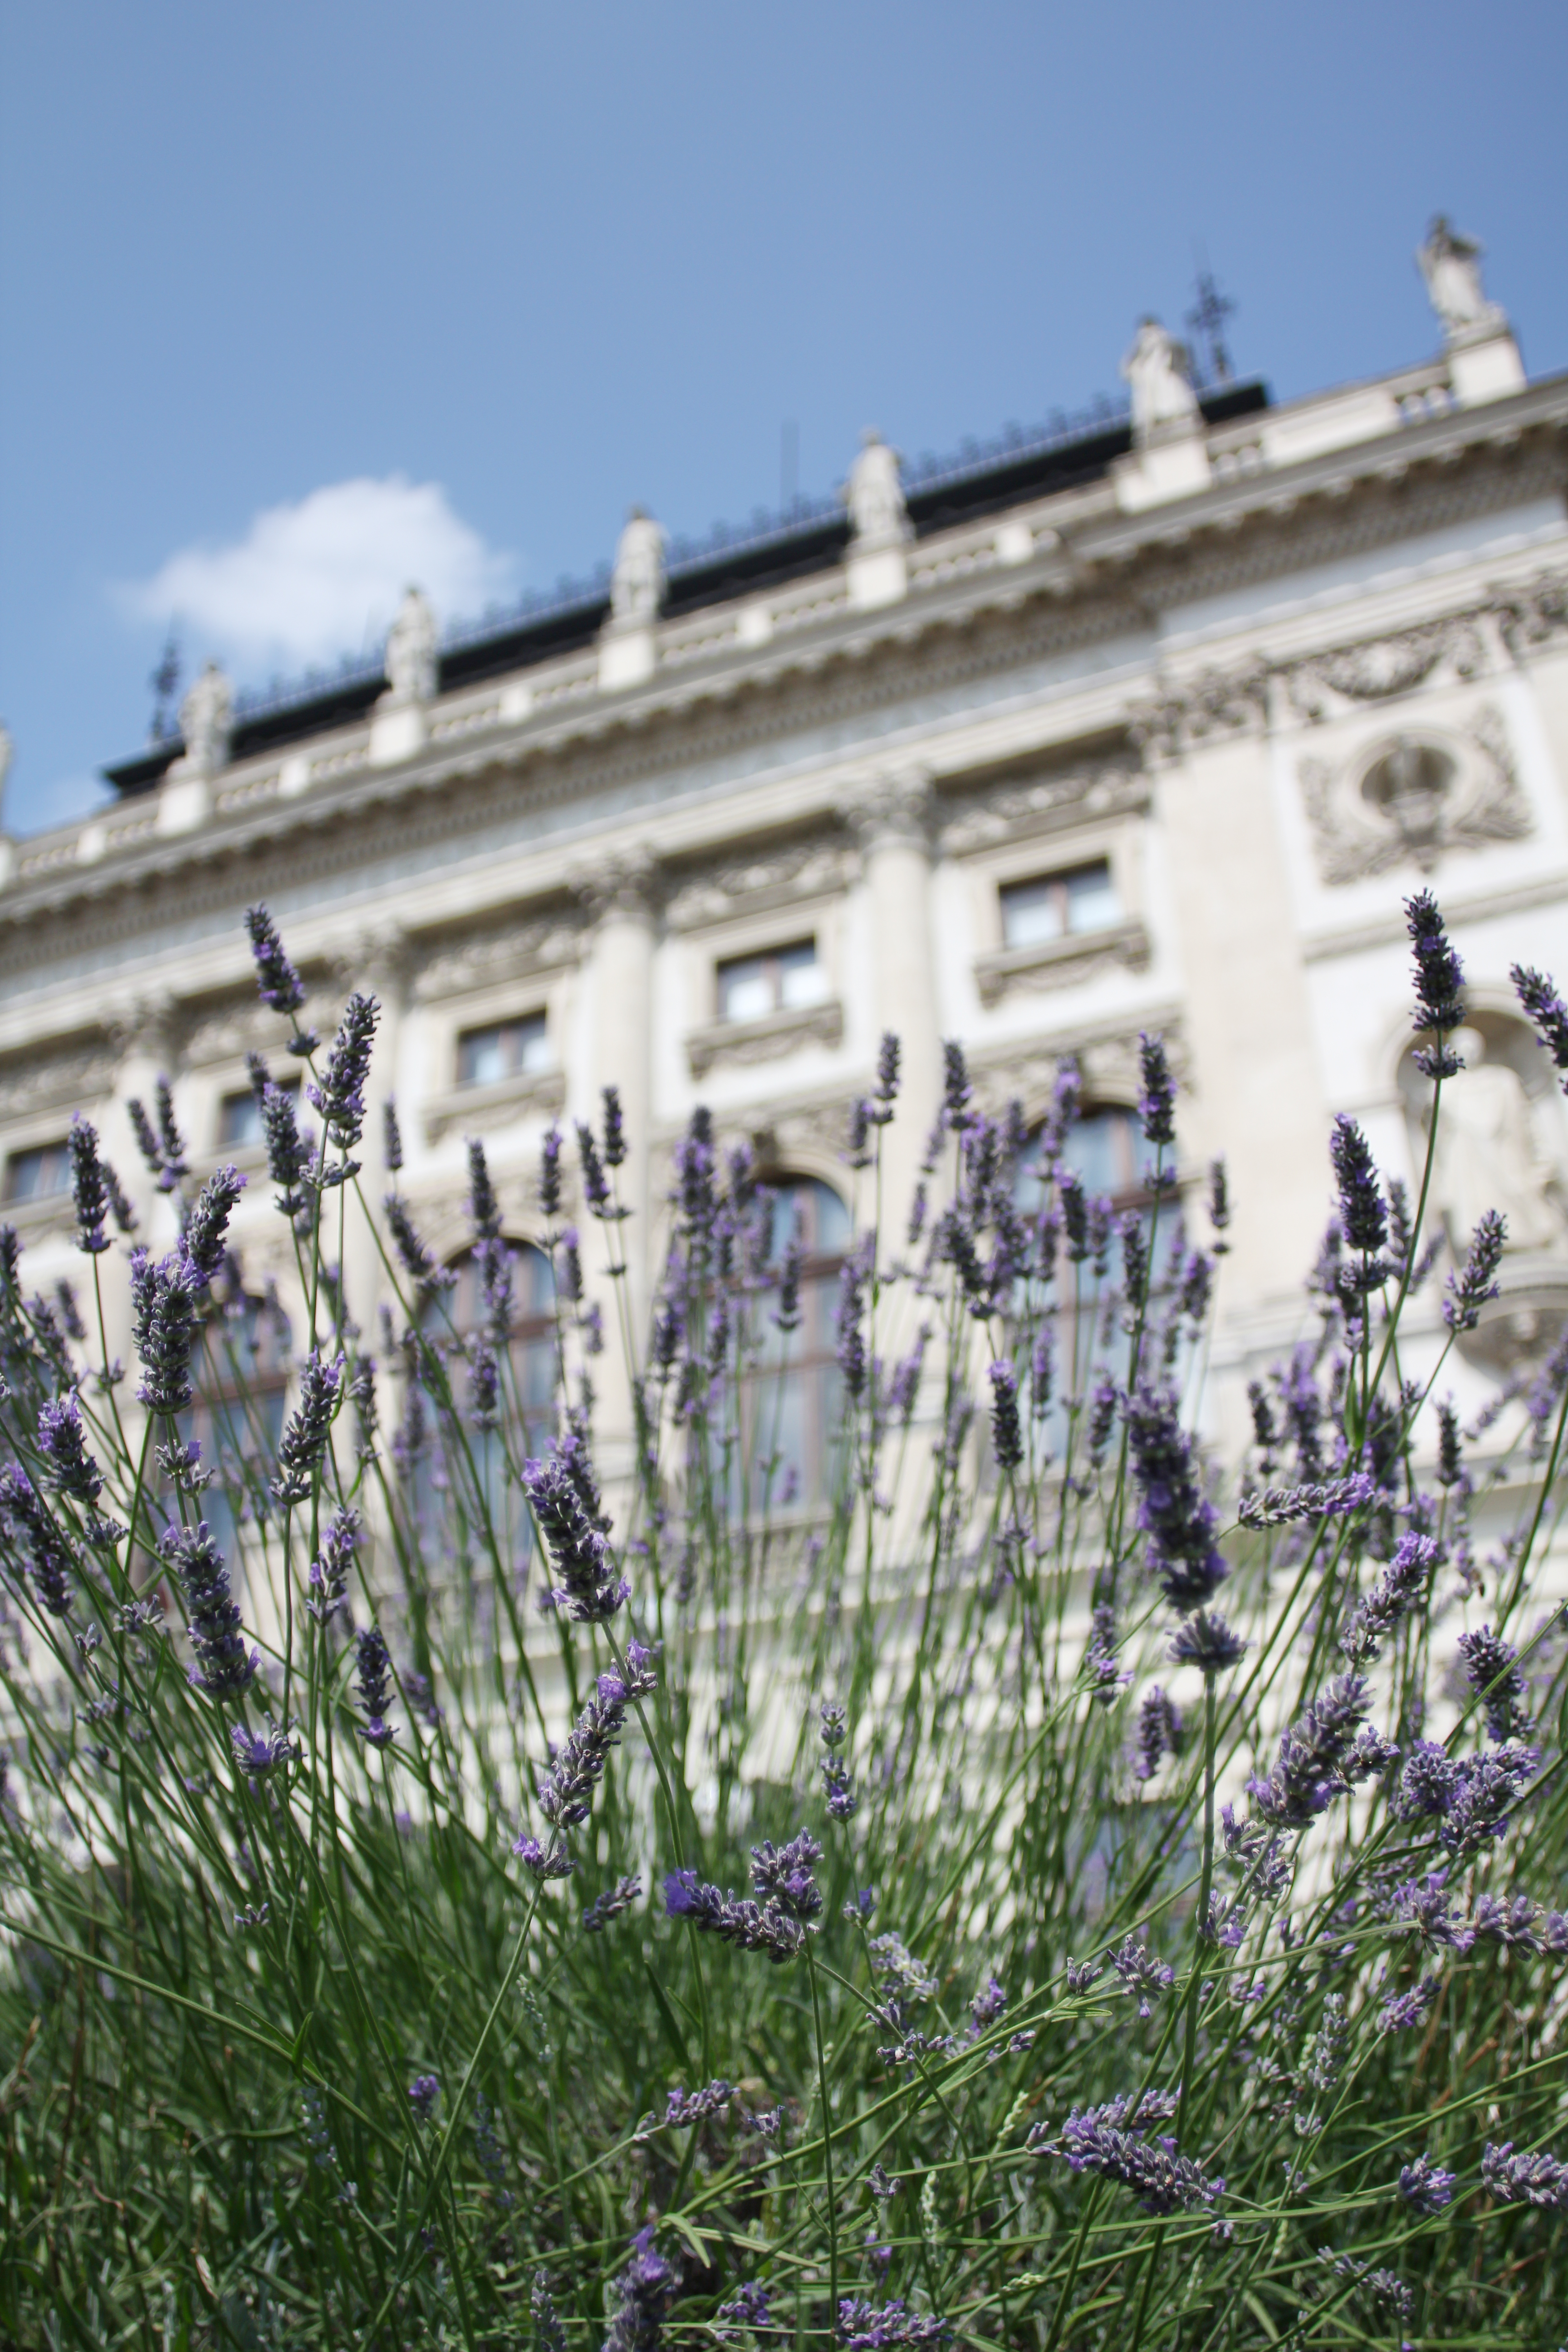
1062, 963
530, 1090
764, 1041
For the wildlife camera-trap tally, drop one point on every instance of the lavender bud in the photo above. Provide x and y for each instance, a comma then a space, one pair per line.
68, 1465
278, 984
956, 1089
170, 1138
287, 1153
1363, 1218
162, 1325
391, 1137
339, 1094
1469, 1290
484, 1210
202, 1242
88, 1190
373, 1668
223, 1670
1439, 984
614, 1129
1546, 1010
333, 1564
1491, 1670
888, 1073
1173, 1511
1159, 1733
304, 1441
1525, 2179
46, 1551
549, 1175
1157, 1105
645, 2289
1219, 1204
1006, 1433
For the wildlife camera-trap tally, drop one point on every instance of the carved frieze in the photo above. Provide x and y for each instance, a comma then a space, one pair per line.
1409, 799
1045, 804
1534, 614
56, 1082
529, 1092
1108, 1060
1053, 964
226, 1033
747, 1042
806, 868
1213, 702
489, 957
1385, 667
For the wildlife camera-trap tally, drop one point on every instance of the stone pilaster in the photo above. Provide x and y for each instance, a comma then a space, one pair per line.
892, 818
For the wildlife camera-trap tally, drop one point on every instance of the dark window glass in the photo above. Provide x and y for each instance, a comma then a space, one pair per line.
528, 1393
39, 1173
753, 987
1056, 906
240, 1376
508, 1049
239, 1116
791, 1404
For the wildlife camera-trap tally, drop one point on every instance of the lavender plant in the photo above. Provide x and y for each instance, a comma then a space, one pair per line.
1058, 1961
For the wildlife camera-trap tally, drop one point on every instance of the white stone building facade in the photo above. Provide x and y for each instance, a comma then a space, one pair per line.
1149, 727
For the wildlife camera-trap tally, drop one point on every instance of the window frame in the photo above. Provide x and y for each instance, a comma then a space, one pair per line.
41, 1148
768, 960
1056, 880
535, 1023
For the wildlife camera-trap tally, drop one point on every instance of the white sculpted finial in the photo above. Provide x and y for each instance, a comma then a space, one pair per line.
207, 715
636, 584
1159, 370
875, 496
411, 651
1451, 265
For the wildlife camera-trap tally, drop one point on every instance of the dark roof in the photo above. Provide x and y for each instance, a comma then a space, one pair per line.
811, 537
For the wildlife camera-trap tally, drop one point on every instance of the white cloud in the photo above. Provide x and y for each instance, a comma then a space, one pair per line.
323, 577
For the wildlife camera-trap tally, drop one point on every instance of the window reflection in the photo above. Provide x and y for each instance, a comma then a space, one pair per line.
1057, 906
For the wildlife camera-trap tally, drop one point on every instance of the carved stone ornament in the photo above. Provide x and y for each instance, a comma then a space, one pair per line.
743, 885
1385, 665
1215, 702
1409, 799
768, 1040
1042, 804
1108, 1067
61, 1083
874, 495
1532, 616
895, 807
528, 1094
1054, 964
619, 882
487, 959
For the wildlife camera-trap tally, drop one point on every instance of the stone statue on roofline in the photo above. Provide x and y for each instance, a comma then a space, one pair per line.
1451, 265
206, 716
411, 651
1489, 1156
1159, 370
637, 583
874, 495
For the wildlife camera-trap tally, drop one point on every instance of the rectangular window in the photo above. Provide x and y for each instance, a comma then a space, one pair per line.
1057, 906
509, 1049
40, 1173
239, 1115
753, 987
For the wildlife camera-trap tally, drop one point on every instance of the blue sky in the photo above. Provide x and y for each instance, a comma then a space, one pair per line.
297, 300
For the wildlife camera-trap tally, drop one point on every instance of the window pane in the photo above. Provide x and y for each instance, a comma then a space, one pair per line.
1102, 1147
802, 980
1091, 899
745, 989
239, 1115
486, 1056
1031, 913
38, 1174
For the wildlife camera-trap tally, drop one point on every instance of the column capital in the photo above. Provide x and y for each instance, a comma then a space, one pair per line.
621, 882
894, 807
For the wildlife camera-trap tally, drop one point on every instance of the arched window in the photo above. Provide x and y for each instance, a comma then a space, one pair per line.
791, 1402
239, 1378
453, 1321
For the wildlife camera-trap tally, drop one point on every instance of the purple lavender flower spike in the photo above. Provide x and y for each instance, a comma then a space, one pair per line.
68, 1465
1475, 1283
1159, 1733
1007, 1430
25, 1522
333, 1564
304, 1441
686, 2107
1537, 2178
162, 1326
223, 1669
1102, 1670
338, 1094
1319, 1758
1206, 1642
1547, 1012
864, 2327
543, 1862
611, 1904
1172, 1512
564, 1792
424, 2096
1363, 1213
1439, 985
645, 2289
1425, 2184
260, 1753
278, 984
372, 1666
90, 1191
1401, 1588
288, 1153
565, 1503
483, 1208
1157, 1105
1144, 1977
1277, 1506
1409, 2009
1096, 2140
1492, 1672
202, 1245
1511, 1921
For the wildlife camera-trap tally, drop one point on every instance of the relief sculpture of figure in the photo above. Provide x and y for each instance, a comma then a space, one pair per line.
1157, 370
1488, 1155
1451, 265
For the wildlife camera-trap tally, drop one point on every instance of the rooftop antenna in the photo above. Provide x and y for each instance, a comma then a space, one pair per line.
1206, 323
166, 685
